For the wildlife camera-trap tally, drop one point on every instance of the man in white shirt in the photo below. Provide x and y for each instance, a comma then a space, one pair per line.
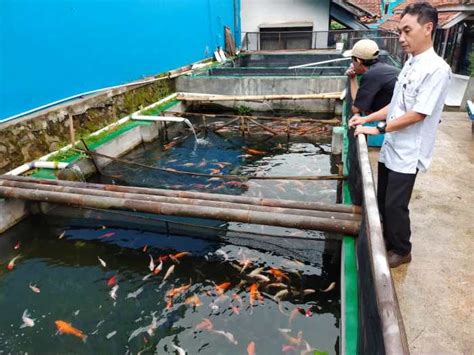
410, 123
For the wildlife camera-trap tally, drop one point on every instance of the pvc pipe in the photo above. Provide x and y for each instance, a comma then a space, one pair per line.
37, 165
158, 118
317, 63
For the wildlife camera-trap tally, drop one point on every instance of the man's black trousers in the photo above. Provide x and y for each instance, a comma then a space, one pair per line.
393, 195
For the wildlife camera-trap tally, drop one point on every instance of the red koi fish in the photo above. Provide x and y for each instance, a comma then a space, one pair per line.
11, 264
112, 281
221, 288
106, 235
254, 151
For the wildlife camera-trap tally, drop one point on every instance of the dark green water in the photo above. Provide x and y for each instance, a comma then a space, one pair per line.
74, 286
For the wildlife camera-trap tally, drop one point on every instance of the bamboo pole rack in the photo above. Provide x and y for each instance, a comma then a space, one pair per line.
280, 213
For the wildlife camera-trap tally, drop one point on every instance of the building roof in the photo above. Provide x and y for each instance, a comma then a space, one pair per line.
372, 6
444, 17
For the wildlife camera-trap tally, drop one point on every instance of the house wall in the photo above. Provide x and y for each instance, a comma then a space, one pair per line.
52, 49
254, 13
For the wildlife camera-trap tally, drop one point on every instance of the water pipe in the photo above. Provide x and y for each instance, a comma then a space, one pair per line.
38, 165
158, 118
318, 63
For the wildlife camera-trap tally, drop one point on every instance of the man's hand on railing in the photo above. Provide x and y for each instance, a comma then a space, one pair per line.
357, 120
366, 130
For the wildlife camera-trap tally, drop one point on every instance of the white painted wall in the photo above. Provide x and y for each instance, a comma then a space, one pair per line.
259, 12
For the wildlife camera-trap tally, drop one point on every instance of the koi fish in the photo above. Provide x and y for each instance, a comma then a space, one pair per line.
158, 268
254, 294
102, 262
146, 277
11, 264
111, 334
229, 336
27, 321
292, 340
181, 254
235, 310
202, 164
278, 274
193, 301
34, 288
204, 324
277, 285
221, 288
254, 151
61, 236
245, 264
256, 274
215, 171
280, 294
223, 254
66, 328
294, 313
251, 348
145, 248
178, 349
221, 165
287, 348
188, 164
153, 325
106, 235
17, 246
112, 281
151, 266
135, 293
330, 287
113, 292
169, 272
177, 291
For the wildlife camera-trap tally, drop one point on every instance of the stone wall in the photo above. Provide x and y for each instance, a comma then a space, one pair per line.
25, 139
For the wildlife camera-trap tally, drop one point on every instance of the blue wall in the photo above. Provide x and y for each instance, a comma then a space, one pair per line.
51, 49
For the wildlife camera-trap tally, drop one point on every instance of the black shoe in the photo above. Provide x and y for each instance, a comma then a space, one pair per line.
395, 260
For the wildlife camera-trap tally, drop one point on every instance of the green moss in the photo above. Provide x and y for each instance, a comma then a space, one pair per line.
158, 109
243, 110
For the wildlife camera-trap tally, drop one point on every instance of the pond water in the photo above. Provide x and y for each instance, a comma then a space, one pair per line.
223, 295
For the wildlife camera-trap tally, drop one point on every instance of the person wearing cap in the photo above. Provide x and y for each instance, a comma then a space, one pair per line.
377, 79
410, 124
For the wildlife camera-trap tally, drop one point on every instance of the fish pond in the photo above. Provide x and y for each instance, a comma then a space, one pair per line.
136, 283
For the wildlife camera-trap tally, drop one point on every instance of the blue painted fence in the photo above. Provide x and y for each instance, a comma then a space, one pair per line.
51, 49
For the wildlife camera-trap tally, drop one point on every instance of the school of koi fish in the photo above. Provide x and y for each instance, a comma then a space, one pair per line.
152, 295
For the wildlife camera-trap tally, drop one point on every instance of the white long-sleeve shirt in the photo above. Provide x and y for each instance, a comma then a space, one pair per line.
421, 87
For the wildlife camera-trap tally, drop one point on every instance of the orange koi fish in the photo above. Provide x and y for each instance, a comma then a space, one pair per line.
106, 235
205, 324
177, 291
112, 281
66, 328
254, 151
254, 294
193, 300
278, 274
251, 348
221, 288
11, 264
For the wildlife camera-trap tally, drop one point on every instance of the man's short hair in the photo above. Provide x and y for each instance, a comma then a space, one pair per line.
425, 13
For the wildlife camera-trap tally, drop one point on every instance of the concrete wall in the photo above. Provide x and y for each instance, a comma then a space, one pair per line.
267, 86
52, 49
255, 13
33, 136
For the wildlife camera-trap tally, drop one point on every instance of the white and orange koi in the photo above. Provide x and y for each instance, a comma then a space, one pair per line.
158, 268
113, 292
193, 300
151, 265
11, 264
34, 288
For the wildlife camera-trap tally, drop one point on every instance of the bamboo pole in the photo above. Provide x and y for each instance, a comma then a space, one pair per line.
331, 121
208, 98
303, 205
221, 214
71, 130
178, 200
263, 126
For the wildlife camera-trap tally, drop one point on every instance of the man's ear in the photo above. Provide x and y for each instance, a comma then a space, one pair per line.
429, 28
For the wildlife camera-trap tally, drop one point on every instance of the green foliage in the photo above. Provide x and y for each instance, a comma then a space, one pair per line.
243, 110
334, 25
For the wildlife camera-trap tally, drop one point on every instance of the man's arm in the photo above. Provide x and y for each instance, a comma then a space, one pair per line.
397, 124
379, 115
